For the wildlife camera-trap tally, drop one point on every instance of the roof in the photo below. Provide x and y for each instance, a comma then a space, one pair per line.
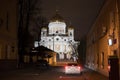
57, 17
71, 27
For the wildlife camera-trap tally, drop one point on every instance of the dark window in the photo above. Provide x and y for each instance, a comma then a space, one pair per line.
70, 40
115, 52
1, 22
7, 21
70, 34
13, 49
57, 39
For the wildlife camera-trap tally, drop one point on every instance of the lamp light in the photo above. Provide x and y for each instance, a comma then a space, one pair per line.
110, 42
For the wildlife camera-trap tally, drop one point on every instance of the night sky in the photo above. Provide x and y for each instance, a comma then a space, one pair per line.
79, 13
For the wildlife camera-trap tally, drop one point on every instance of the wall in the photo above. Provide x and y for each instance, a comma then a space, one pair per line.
105, 26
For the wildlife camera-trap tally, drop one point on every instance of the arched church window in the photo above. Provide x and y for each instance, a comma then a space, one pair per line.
57, 31
43, 33
57, 39
49, 39
70, 40
70, 33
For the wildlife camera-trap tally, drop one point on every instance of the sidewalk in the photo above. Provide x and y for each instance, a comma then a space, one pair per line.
89, 75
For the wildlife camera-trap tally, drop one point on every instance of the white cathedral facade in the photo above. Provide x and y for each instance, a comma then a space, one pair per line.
60, 38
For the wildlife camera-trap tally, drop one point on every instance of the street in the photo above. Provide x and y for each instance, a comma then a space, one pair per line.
53, 73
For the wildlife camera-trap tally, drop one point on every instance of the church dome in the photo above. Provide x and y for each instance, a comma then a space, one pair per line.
71, 27
57, 24
57, 17
43, 28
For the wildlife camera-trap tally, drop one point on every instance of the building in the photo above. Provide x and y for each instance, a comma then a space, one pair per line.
103, 39
8, 33
60, 38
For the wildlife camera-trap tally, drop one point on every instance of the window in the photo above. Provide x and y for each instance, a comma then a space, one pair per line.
102, 60
70, 40
1, 22
43, 33
112, 22
98, 59
57, 39
70, 33
112, 19
115, 53
13, 49
7, 21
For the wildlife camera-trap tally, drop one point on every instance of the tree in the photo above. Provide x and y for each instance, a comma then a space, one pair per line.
29, 16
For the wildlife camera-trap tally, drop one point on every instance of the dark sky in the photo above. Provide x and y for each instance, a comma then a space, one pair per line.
80, 13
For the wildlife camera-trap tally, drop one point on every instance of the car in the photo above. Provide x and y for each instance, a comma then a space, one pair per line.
72, 68
43, 64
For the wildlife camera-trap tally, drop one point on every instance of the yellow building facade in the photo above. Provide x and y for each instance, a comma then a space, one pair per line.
105, 29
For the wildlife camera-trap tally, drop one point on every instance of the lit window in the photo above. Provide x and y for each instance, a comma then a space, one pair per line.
109, 42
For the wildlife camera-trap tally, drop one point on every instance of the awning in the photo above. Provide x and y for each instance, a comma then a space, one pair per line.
42, 51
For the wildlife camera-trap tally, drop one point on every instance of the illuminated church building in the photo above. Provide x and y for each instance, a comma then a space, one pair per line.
60, 38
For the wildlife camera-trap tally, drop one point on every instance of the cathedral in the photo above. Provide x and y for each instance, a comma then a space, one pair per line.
60, 38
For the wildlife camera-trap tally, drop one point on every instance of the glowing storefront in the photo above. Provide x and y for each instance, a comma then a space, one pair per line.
59, 38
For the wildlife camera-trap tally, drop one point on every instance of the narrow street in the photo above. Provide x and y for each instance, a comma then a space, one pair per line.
53, 73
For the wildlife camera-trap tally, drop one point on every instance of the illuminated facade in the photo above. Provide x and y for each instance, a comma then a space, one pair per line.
60, 38
103, 39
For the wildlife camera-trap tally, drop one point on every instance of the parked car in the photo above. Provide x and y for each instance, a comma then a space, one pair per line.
42, 64
73, 68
